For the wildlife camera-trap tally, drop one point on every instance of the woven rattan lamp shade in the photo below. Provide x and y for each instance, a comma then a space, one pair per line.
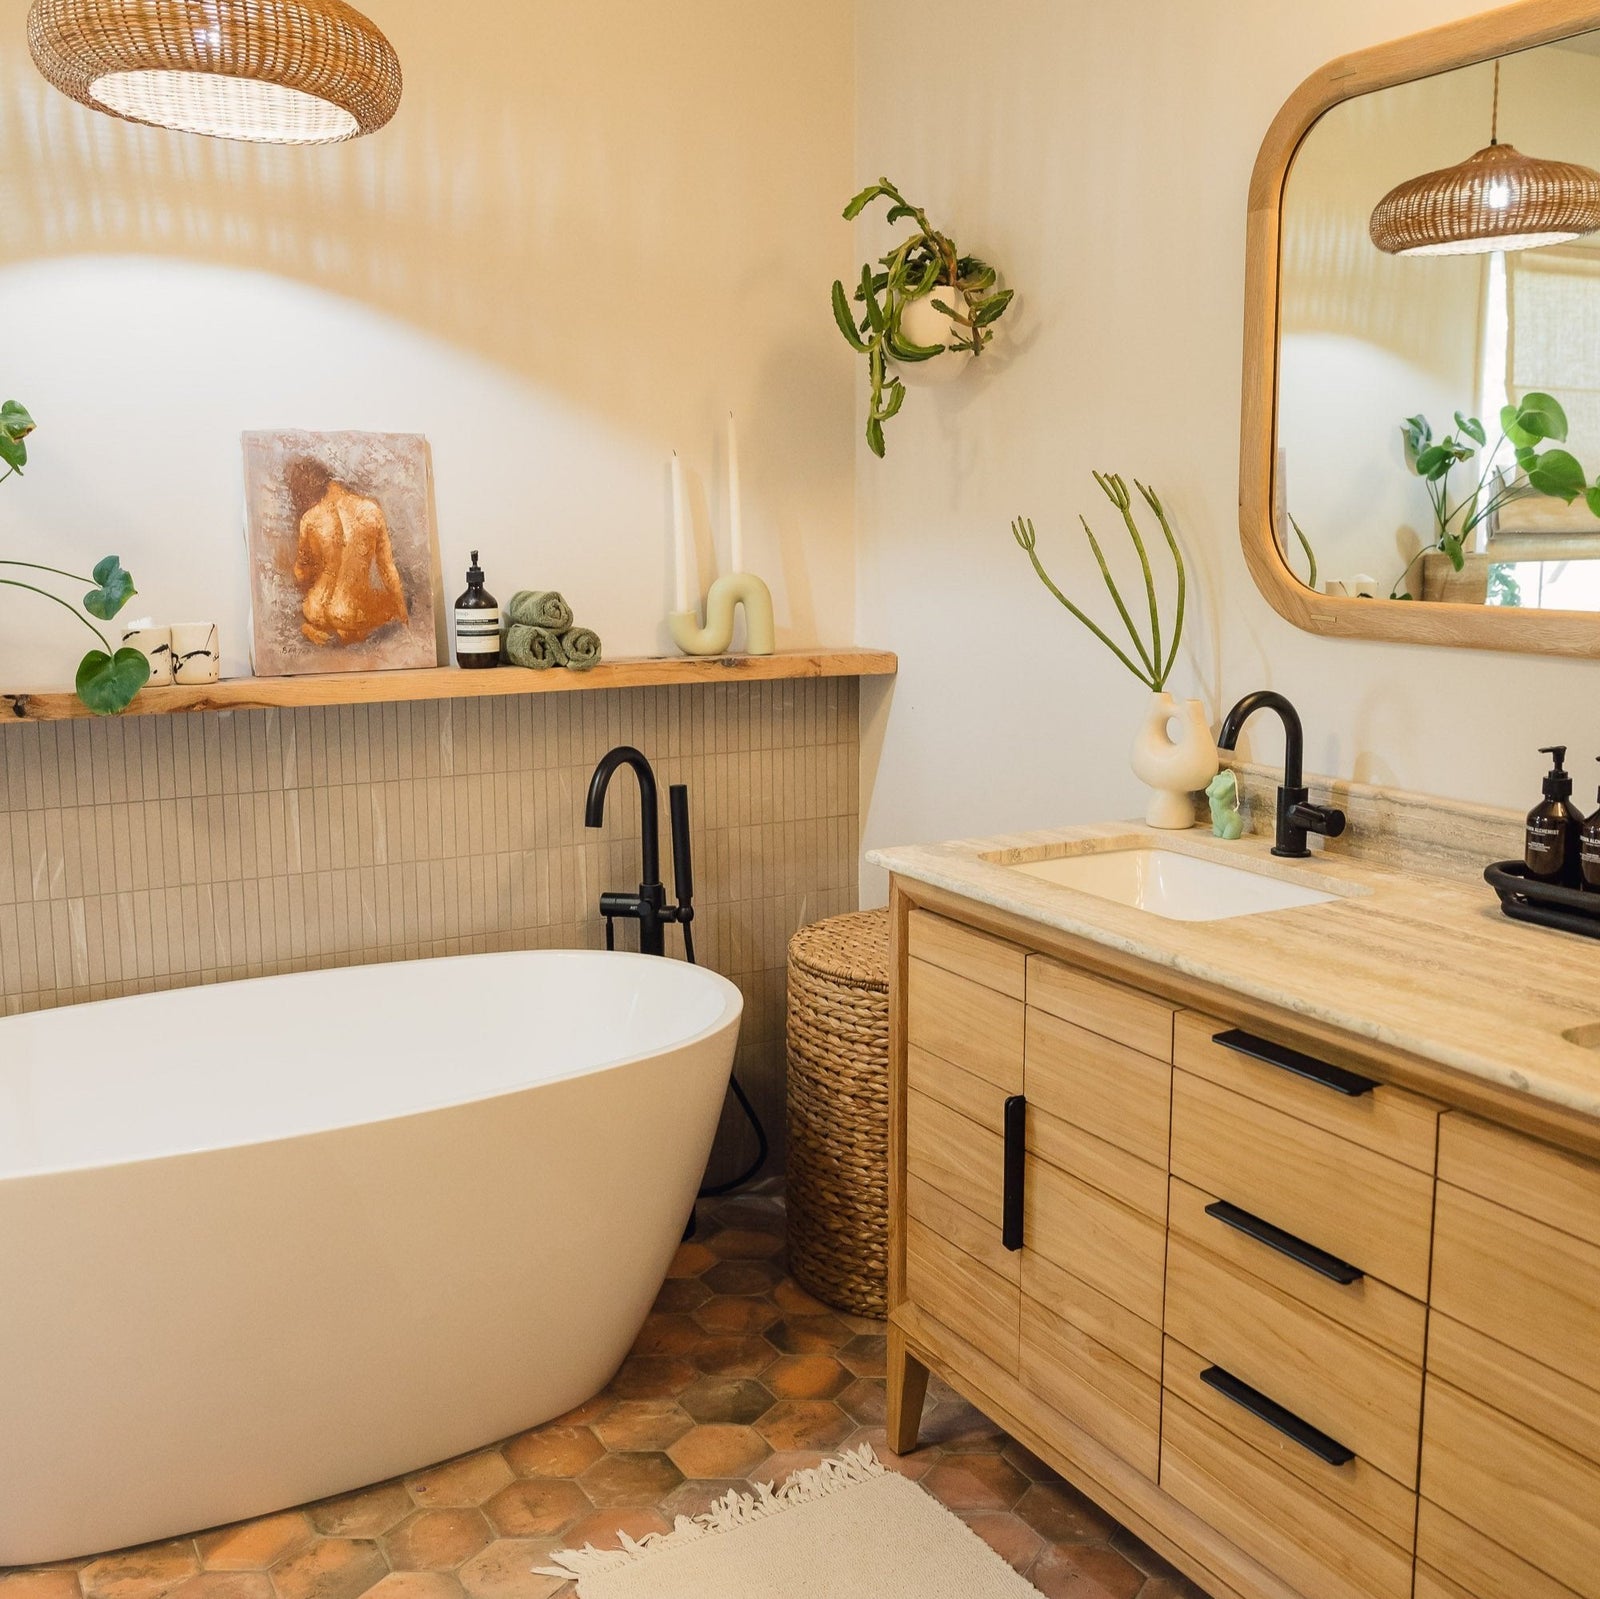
273, 71
1497, 199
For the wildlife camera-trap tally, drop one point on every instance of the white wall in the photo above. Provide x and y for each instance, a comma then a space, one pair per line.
590, 232
1101, 156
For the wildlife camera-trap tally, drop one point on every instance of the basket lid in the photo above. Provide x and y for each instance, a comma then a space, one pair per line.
850, 949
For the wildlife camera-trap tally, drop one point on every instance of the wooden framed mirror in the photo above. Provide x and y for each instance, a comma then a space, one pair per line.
1347, 344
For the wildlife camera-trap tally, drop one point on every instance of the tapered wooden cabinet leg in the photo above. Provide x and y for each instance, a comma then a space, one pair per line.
908, 1387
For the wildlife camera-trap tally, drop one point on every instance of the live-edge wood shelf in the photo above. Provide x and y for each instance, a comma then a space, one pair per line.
451, 683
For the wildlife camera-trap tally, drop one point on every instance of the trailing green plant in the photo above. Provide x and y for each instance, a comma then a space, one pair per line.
922, 264
1531, 426
1153, 666
108, 678
1311, 554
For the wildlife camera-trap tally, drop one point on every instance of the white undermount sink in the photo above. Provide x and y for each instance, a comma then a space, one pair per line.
1182, 888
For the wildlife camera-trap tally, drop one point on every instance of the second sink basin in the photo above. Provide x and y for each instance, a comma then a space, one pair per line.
1180, 887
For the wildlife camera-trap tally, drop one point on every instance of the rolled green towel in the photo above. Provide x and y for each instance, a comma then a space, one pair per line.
540, 608
537, 648
581, 648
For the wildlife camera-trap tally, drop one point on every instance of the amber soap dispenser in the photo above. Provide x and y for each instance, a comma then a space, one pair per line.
477, 623
1589, 855
1554, 827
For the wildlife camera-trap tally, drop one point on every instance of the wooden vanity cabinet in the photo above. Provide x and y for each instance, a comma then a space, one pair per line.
1307, 1332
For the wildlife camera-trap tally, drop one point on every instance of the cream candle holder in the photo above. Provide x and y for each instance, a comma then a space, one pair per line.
716, 637
155, 644
196, 654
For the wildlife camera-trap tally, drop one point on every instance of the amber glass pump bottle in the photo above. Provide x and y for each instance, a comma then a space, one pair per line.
1553, 827
477, 623
1589, 854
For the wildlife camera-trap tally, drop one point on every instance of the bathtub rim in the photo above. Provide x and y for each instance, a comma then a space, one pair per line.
731, 1015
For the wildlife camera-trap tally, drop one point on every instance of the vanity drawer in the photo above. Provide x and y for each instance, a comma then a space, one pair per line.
1106, 1088
957, 1289
964, 1023
1092, 1160
1520, 1490
1455, 1561
1529, 1177
1118, 1251
1096, 1389
1123, 1015
1381, 1314
1524, 1283
1387, 1121
1126, 1334
964, 1161
1360, 1395
979, 957
1318, 1527
1367, 1210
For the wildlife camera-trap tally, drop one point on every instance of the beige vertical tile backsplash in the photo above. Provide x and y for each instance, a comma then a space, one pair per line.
160, 852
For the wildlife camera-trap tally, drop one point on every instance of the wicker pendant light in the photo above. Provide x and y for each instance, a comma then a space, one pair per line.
272, 71
1497, 199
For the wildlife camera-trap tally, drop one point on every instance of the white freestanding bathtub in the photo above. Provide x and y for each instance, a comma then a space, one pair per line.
265, 1242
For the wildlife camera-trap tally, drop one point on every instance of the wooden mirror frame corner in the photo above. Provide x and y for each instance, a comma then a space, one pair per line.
1522, 26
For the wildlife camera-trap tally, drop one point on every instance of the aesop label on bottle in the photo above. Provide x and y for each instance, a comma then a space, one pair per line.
478, 632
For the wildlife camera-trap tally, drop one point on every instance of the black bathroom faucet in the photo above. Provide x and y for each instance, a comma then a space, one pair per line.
648, 907
1297, 817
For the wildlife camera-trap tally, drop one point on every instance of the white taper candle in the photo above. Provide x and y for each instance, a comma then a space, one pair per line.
688, 600
735, 498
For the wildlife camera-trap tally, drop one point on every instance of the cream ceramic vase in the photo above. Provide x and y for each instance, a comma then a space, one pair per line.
1177, 768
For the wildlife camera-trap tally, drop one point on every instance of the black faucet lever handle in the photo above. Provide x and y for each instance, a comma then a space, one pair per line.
1328, 820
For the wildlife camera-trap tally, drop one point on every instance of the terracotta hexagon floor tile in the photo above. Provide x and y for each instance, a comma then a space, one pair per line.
604, 1528
793, 1300
955, 1426
794, 1424
1060, 1514
667, 1334
1014, 1541
864, 1401
865, 1355
582, 1415
690, 1260
720, 1449
1084, 1571
729, 1314
745, 1277
733, 1355
436, 1540
537, 1507
553, 1451
809, 1335
369, 1513
736, 1399
226, 1585
778, 1468
651, 1377
916, 1465
806, 1377
39, 1585
505, 1571
976, 1482
332, 1568
461, 1484
699, 1494
1028, 1463
140, 1573
739, 1243
255, 1545
679, 1294
417, 1585
636, 1425
630, 1482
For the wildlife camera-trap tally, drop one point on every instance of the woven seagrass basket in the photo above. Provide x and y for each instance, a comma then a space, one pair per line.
839, 1111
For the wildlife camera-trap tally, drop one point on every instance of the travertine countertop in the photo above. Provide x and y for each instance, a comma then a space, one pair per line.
1412, 962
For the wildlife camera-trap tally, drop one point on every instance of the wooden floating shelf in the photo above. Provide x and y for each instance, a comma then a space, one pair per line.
451, 683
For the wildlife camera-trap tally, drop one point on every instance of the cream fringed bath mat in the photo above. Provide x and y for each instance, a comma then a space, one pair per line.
846, 1530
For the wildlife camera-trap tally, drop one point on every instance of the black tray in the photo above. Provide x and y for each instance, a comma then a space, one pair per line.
1525, 899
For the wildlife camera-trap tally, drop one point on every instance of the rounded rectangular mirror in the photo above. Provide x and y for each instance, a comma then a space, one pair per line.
1421, 445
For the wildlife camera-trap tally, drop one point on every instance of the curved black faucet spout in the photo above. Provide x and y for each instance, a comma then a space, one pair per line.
1297, 816
595, 811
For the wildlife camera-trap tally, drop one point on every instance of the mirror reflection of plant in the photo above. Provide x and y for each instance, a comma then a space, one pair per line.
1311, 554
921, 264
1536, 421
1153, 667
108, 678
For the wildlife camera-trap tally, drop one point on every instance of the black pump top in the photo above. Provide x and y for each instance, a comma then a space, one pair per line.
475, 579
1558, 785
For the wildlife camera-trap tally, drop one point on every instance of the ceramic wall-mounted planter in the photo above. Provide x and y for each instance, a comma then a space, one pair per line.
923, 323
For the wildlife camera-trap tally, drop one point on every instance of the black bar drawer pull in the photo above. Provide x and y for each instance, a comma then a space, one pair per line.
1297, 1249
1276, 1417
1016, 1166
1350, 1084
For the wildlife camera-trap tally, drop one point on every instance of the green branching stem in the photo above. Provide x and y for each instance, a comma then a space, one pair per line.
1311, 554
1116, 491
1153, 500
1116, 595
55, 599
54, 571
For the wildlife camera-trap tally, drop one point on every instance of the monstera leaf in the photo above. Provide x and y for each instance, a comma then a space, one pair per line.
114, 591
15, 426
1535, 418
107, 683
